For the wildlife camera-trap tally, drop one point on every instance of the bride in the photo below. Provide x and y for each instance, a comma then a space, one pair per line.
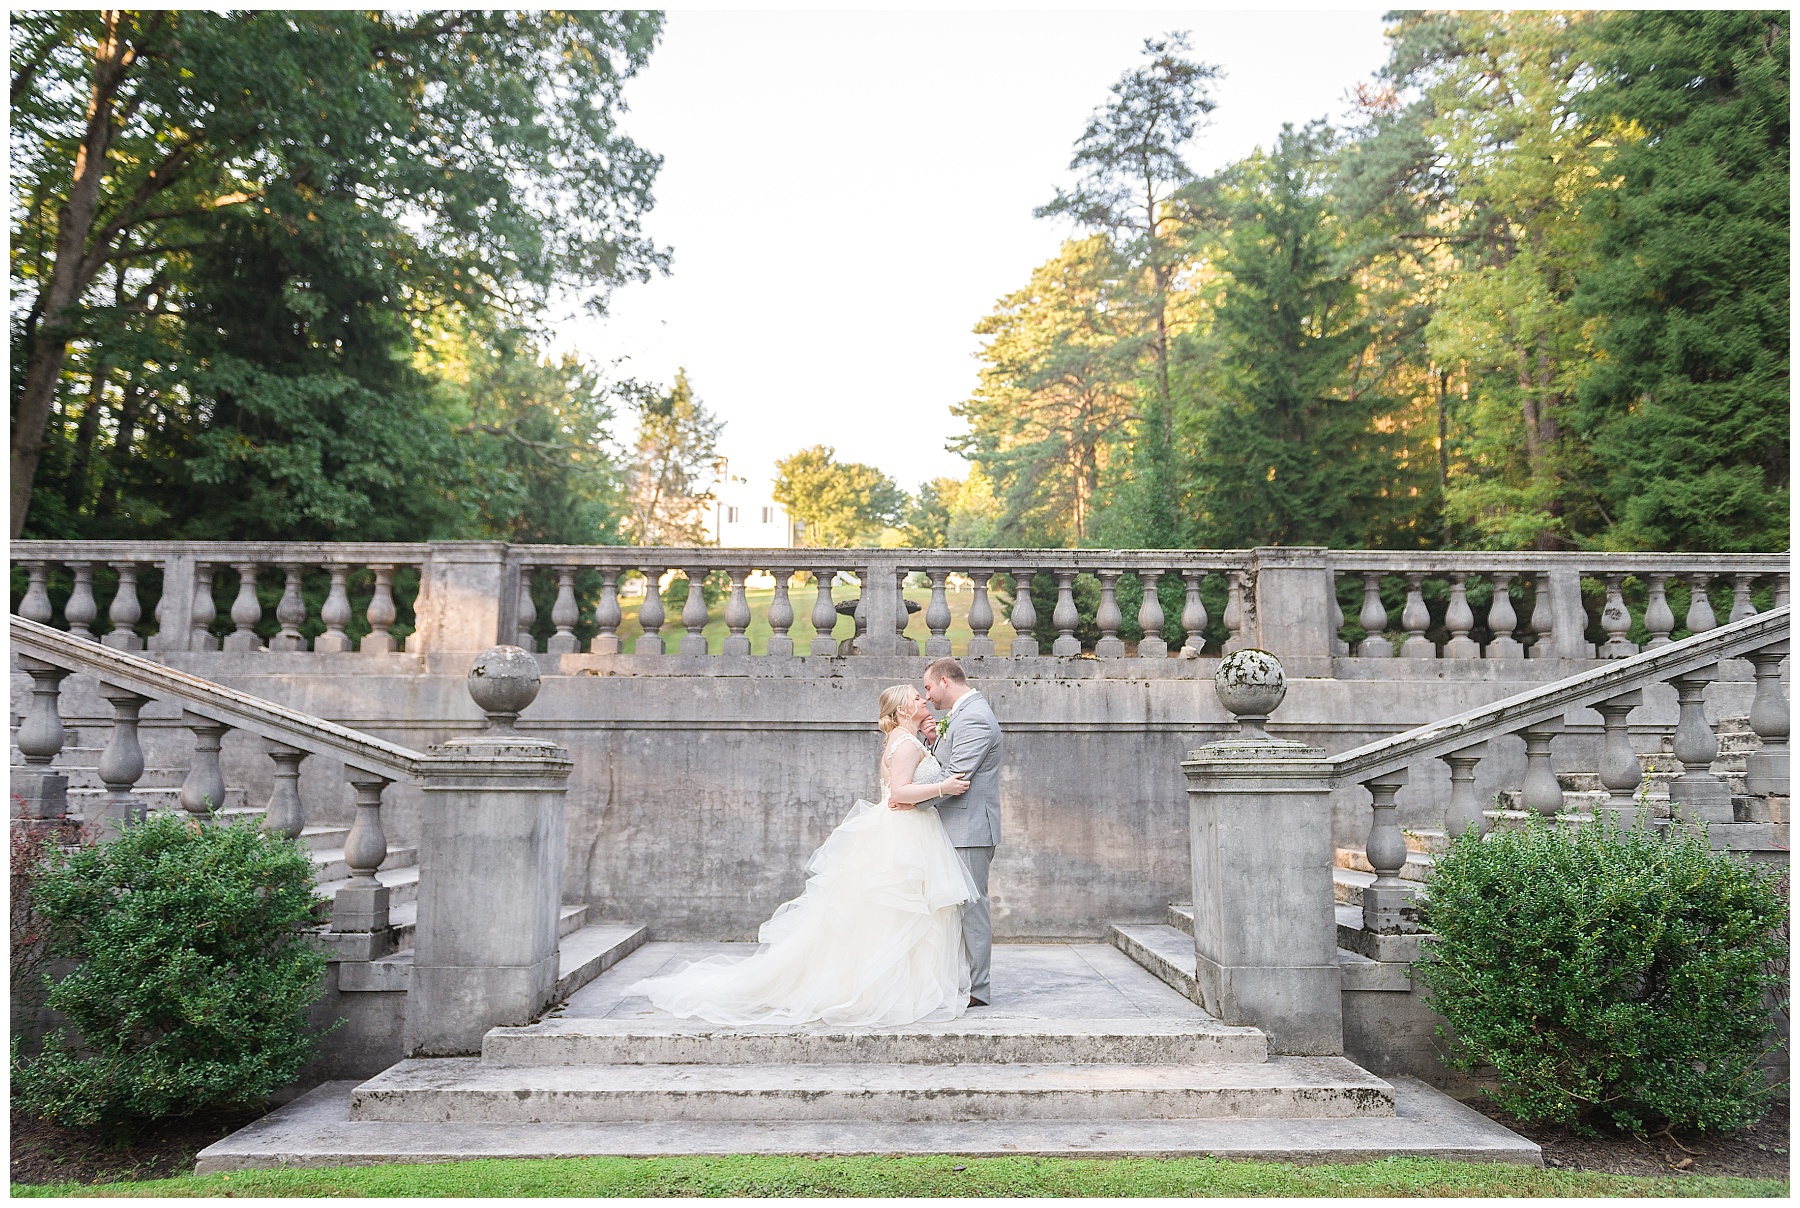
876, 937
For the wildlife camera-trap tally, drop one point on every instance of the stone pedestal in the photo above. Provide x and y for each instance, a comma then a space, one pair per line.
1295, 612
459, 598
1265, 930
490, 890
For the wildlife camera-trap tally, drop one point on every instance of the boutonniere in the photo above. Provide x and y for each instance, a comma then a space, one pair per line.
943, 724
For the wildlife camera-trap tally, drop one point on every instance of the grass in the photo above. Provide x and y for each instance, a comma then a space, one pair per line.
923, 1176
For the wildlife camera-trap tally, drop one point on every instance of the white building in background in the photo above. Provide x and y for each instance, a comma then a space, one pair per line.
745, 517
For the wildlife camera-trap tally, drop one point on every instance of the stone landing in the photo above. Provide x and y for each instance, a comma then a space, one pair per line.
1083, 1052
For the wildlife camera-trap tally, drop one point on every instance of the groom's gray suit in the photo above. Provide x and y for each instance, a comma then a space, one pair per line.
971, 747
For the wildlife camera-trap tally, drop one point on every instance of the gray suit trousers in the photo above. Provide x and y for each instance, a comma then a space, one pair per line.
977, 923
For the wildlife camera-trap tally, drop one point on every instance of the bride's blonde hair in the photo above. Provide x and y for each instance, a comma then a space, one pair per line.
892, 701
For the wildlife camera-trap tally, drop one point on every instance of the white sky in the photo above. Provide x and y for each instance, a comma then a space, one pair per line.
847, 193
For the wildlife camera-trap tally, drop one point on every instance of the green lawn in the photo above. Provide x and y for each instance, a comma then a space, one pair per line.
923, 1176
802, 630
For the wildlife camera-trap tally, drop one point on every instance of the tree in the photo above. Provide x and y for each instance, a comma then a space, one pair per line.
1130, 157
1057, 394
841, 503
1288, 449
675, 462
475, 154
1687, 406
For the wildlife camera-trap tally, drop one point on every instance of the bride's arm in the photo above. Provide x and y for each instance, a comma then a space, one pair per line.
903, 761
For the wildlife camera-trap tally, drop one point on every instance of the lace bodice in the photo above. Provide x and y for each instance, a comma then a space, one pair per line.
928, 771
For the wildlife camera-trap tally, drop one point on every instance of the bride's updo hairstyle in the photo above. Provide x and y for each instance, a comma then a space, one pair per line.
892, 701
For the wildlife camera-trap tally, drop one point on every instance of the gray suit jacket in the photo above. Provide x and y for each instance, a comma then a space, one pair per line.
971, 747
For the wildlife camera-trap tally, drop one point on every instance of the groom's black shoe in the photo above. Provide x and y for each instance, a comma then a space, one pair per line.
976, 1002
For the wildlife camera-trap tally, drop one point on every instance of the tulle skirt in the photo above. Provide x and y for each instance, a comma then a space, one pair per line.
874, 940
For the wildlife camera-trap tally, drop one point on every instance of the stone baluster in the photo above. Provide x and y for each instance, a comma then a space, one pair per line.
693, 614
1389, 906
202, 611
607, 614
1766, 771
981, 615
1659, 619
1108, 617
1780, 592
125, 610
35, 604
1543, 619
1193, 613
781, 615
1459, 619
1502, 620
362, 904
285, 814
1700, 616
1234, 612
824, 614
1464, 811
335, 612
382, 613
1374, 619
43, 794
1620, 772
1150, 618
290, 611
1065, 616
563, 614
1416, 618
1741, 604
651, 615
81, 610
937, 617
203, 791
1615, 621
903, 644
737, 616
122, 762
1024, 617
246, 611
859, 623
1541, 793
525, 615
1339, 647
1697, 795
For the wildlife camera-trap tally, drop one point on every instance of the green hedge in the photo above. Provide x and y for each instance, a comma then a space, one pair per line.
1606, 976
192, 979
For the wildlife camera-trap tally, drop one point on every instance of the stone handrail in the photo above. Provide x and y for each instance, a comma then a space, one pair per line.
238, 710
1517, 712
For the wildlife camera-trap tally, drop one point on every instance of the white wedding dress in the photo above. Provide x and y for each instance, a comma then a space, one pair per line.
874, 940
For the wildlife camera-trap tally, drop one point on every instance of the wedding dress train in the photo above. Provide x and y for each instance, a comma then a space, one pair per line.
874, 939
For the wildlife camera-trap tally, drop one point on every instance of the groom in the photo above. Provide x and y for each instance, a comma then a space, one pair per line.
970, 747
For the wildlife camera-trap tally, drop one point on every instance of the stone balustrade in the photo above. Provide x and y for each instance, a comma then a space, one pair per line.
1312, 607
485, 951
1533, 605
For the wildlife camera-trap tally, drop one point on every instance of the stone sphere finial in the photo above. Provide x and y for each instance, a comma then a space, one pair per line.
504, 681
1250, 684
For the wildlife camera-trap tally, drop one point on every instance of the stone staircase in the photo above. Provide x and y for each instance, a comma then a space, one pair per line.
1086, 1053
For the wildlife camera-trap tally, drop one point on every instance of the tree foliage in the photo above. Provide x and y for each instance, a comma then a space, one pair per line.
673, 466
237, 235
841, 503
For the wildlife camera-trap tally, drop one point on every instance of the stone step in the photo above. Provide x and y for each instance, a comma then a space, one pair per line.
975, 1038
467, 1090
582, 955
1166, 952
402, 883
1511, 820
316, 1130
156, 797
1428, 842
1181, 917
329, 865
1417, 868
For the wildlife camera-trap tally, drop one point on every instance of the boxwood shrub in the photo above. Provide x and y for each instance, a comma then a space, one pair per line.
1605, 976
192, 980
